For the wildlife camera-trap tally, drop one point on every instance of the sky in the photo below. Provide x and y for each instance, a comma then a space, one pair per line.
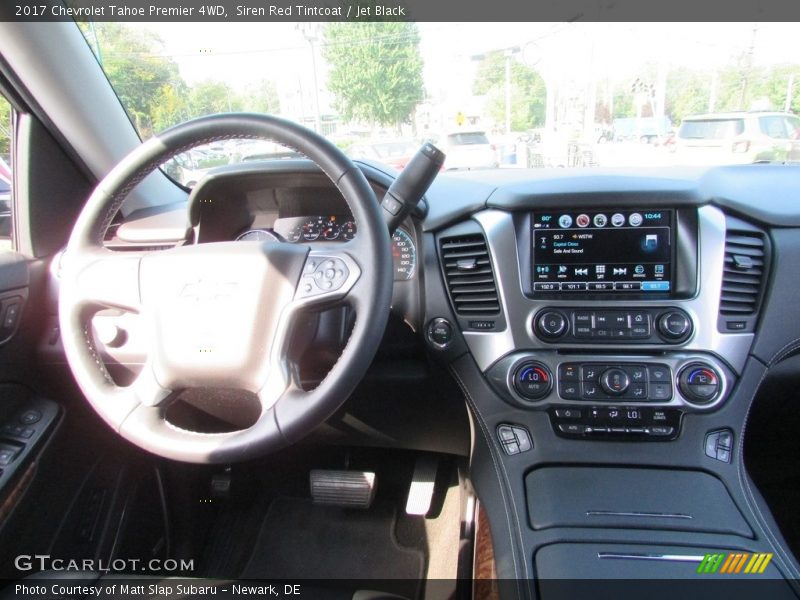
242, 53
234, 52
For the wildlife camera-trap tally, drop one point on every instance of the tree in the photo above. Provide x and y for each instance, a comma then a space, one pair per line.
135, 66
261, 97
5, 128
209, 97
688, 93
375, 70
528, 91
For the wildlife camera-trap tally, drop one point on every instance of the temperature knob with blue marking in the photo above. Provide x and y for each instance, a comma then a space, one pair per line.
699, 383
533, 380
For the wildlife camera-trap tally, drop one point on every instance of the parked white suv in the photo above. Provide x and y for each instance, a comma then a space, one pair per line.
469, 149
738, 137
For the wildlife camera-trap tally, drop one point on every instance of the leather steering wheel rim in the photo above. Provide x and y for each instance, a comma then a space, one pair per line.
263, 286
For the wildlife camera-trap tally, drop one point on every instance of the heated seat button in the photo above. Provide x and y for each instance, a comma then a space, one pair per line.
514, 439
719, 445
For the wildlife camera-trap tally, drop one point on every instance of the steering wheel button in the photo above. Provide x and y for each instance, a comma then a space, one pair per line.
329, 273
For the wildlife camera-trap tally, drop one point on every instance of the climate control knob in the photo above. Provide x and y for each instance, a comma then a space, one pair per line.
674, 326
614, 381
533, 380
551, 324
699, 383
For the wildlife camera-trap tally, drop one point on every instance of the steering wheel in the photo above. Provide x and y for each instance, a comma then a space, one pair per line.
220, 316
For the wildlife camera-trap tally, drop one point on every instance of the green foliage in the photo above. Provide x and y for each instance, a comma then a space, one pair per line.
151, 88
209, 97
137, 69
688, 93
375, 70
5, 128
528, 91
261, 97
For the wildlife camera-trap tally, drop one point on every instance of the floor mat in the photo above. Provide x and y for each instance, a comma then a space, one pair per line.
301, 540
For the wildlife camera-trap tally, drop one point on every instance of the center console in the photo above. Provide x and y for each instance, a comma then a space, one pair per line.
602, 359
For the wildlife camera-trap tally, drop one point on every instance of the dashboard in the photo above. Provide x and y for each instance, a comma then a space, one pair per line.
614, 323
247, 204
333, 228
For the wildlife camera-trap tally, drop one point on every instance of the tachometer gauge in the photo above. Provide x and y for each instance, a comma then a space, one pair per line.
348, 231
331, 229
404, 255
312, 229
257, 235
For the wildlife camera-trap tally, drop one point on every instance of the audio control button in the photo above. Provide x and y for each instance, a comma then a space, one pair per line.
551, 324
674, 326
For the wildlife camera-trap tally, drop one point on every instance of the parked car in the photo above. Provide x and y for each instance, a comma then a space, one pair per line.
469, 150
395, 153
738, 138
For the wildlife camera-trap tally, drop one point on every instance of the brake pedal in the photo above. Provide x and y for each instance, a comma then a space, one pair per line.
350, 489
420, 495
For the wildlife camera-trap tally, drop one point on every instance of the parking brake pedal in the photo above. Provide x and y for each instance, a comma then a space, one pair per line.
420, 495
351, 489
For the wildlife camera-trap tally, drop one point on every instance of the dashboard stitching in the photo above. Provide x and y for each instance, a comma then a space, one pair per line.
502, 476
744, 481
783, 352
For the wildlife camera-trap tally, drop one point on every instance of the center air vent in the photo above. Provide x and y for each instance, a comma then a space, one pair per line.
746, 260
469, 275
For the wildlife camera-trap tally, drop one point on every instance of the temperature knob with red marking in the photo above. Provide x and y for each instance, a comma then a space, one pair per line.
533, 380
699, 383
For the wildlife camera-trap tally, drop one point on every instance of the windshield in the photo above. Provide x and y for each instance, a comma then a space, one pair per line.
530, 95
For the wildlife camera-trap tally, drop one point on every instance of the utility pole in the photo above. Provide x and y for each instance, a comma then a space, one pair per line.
509, 52
789, 92
311, 31
748, 67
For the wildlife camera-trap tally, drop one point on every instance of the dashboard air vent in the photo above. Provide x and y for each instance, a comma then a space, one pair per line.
743, 276
469, 275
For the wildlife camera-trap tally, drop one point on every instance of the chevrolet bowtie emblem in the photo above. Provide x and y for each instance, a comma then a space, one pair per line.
207, 290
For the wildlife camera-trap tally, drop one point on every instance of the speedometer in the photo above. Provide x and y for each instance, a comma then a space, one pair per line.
257, 235
404, 255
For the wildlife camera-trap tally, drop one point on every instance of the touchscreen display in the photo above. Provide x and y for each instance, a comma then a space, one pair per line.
602, 251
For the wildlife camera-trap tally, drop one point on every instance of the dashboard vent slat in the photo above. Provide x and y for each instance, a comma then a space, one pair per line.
743, 273
469, 275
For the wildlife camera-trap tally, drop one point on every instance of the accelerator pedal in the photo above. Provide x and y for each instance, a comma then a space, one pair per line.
350, 489
420, 494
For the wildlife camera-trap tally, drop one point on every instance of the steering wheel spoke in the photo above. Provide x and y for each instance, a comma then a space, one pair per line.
146, 389
105, 280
